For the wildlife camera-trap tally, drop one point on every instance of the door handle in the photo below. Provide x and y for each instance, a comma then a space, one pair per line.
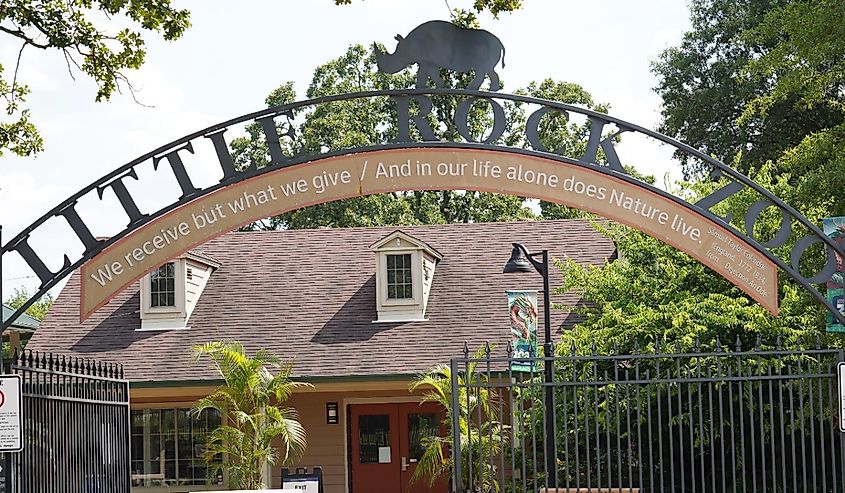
404, 463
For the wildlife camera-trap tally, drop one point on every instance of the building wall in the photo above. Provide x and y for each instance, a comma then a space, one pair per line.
326, 444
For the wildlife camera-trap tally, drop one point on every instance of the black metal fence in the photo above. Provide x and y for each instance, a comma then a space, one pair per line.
75, 426
703, 421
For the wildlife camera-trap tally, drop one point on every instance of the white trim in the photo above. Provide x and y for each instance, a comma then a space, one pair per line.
161, 329
161, 318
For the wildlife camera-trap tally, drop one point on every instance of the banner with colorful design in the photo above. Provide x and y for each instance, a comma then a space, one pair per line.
522, 306
834, 228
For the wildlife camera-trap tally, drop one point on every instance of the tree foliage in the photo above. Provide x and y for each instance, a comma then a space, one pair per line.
251, 398
730, 63
79, 30
37, 310
760, 84
360, 122
654, 294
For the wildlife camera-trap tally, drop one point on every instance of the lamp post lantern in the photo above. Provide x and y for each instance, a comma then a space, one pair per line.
523, 261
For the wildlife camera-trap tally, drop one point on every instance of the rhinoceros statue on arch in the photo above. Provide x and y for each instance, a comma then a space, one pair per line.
439, 44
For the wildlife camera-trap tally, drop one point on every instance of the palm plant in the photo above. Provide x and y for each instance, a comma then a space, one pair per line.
251, 398
480, 434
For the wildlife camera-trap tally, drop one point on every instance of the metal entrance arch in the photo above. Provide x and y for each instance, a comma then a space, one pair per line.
411, 110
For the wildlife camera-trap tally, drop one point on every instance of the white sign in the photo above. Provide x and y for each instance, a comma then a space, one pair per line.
384, 455
11, 411
309, 485
841, 371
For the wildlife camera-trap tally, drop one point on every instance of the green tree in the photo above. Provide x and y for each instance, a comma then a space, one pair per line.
37, 310
656, 294
361, 122
72, 27
707, 86
480, 437
251, 398
759, 84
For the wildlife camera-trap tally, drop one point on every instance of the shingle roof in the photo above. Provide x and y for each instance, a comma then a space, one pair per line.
310, 295
24, 321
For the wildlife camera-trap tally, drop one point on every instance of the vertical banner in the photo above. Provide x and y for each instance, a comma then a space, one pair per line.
522, 306
834, 228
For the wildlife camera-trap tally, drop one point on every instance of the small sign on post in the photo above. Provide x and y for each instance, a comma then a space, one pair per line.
302, 480
11, 411
840, 370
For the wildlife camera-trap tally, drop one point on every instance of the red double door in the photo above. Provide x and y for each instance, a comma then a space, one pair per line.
386, 445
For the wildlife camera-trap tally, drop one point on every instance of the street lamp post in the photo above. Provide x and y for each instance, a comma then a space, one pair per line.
523, 261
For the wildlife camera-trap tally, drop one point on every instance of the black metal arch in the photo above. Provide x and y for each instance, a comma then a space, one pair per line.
406, 121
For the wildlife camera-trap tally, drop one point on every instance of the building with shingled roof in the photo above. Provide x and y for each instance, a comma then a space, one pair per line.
360, 311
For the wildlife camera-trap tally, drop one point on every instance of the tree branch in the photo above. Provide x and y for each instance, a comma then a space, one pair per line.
22, 35
15, 75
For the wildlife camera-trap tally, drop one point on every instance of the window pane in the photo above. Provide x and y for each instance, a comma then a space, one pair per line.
162, 284
399, 277
373, 432
170, 469
419, 427
138, 422
155, 417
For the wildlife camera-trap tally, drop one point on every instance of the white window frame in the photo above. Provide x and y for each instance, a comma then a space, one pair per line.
416, 281
178, 310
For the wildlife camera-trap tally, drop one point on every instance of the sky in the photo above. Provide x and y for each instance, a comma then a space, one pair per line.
232, 57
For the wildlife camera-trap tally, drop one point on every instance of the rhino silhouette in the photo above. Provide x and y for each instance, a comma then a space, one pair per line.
439, 44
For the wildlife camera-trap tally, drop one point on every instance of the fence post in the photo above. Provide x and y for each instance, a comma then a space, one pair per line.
456, 428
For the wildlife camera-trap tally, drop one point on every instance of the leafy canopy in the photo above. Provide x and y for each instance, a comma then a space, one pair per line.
360, 122
37, 310
79, 30
734, 87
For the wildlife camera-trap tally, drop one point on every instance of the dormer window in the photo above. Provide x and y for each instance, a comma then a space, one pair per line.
404, 273
400, 279
170, 292
163, 286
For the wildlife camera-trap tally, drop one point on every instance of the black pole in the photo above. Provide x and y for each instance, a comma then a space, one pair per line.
518, 264
548, 379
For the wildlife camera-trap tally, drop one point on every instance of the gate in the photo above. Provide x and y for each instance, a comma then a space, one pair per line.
705, 421
75, 426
